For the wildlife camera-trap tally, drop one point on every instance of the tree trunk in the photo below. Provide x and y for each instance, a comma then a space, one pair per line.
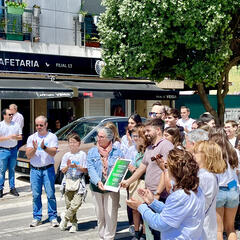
204, 98
222, 91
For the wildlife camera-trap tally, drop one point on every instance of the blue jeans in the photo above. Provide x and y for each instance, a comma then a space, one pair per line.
8, 159
46, 178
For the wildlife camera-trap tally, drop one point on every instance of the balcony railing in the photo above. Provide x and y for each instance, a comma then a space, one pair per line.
86, 32
19, 27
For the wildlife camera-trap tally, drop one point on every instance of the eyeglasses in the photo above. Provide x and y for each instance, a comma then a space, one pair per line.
154, 114
10, 114
101, 137
39, 125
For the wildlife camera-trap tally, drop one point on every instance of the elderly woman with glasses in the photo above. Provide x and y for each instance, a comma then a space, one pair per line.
100, 161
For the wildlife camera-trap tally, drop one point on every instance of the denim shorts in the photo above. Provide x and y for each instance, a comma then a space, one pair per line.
228, 198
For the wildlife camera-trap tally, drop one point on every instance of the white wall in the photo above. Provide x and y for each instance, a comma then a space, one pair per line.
54, 49
56, 19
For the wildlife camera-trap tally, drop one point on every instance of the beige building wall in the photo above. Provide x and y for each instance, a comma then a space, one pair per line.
141, 108
40, 107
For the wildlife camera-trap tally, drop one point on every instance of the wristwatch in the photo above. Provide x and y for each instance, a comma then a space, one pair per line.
44, 147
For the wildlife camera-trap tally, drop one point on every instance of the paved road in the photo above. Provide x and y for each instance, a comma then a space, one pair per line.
16, 215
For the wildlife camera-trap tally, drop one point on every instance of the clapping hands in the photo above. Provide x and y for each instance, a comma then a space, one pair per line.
70, 164
145, 194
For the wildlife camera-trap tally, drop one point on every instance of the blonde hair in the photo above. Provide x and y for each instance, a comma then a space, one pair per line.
113, 127
213, 157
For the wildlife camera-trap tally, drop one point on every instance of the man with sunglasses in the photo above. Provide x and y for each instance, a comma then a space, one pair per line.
158, 111
41, 149
10, 134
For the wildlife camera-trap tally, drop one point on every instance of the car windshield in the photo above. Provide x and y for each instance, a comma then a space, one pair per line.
81, 128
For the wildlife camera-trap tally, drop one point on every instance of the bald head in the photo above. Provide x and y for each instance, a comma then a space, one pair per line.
41, 118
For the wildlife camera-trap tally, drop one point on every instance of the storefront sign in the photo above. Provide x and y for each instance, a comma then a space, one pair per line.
232, 114
39, 63
117, 174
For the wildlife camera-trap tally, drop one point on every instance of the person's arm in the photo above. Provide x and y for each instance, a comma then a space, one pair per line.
19, 137
5, 138
64, 169
136, 175
30, 152
31, 149
160, 187
82, 169
49, 150
153, 219
11, 137
165, 181
91, 158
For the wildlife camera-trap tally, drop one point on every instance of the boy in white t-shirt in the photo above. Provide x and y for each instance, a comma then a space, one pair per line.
73, 166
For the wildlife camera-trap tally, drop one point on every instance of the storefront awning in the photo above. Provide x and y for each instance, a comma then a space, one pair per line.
33, 89
138, 90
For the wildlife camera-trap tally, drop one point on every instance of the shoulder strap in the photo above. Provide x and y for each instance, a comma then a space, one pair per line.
213, 198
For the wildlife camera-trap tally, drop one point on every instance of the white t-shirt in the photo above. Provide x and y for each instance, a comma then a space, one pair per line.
42, 158
18, 118
209, 186
185, 214
232, 141
9, 129
228, 176
186, 123
78, 158
129, 152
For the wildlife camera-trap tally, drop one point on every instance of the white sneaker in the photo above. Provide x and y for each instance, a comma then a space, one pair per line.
54, 223
73, 228
35, 223
63, 223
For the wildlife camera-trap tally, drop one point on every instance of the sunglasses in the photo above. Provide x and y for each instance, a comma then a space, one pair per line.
154, 114
39, 125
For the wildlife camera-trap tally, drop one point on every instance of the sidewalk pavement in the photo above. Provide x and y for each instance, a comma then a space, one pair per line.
22, 184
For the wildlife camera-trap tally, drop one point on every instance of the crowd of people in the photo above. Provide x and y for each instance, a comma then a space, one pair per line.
182, 182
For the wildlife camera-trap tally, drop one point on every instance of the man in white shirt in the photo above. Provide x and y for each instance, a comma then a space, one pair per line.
185, 121
17, 117
230, 128
10, 134
41, 149
158, 111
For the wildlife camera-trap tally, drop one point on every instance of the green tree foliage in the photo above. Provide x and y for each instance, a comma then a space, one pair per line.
185, 39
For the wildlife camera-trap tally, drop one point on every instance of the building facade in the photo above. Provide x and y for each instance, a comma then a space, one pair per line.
50, 62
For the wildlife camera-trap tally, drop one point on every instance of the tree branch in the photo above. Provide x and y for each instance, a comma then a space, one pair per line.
203, 95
